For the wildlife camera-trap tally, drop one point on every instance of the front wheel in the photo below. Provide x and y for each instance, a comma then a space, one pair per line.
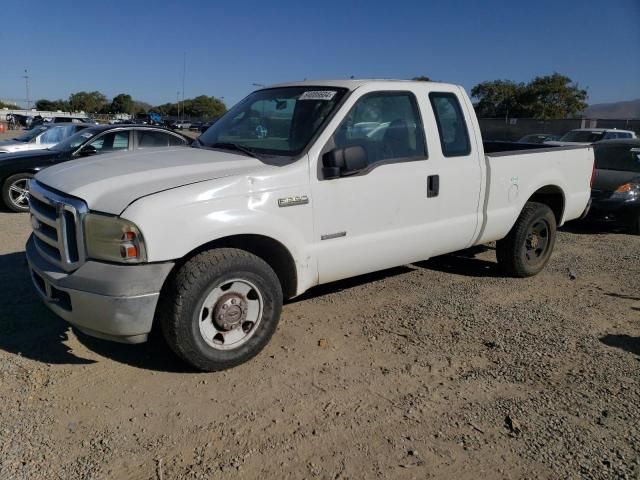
221, 308
15, 192
526, 249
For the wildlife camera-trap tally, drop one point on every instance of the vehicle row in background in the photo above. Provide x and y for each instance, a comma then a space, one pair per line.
586, 136
41, 137
17, 168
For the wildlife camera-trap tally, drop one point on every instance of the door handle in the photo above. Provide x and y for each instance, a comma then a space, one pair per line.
433, 186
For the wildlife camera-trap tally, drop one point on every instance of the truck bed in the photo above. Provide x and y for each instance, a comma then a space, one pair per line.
515, 172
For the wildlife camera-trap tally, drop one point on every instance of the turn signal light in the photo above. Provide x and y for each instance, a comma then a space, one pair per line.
128, 246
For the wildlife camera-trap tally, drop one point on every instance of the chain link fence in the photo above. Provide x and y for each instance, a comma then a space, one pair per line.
513, 129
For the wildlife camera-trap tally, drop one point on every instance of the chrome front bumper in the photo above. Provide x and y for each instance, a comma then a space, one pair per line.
114, 302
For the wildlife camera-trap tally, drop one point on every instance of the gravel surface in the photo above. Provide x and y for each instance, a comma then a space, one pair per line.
441, 369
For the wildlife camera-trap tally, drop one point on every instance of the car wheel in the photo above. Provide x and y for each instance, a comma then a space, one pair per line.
636, 228
220, 308
527, 248
15, 192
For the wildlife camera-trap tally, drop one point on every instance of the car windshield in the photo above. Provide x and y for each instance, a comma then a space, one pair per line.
31, 134
276, 121
586, 136
74, 141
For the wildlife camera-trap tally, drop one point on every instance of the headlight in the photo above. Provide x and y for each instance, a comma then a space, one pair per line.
113, 239
629, 191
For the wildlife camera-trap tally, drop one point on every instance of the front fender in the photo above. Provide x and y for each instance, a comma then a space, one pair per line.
176, 222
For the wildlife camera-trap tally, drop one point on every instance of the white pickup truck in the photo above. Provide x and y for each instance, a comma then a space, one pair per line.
299, 184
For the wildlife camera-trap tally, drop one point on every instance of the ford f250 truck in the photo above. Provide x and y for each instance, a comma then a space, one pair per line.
298, 185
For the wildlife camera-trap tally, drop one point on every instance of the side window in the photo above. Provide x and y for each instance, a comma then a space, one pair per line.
454, 136
175, 141
151, 139
386, 124
67, 131
52, 135
112, 141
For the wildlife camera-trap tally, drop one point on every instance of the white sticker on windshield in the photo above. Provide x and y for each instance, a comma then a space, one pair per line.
317, 95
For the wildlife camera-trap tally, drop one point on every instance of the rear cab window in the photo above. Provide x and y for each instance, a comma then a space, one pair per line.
452, 126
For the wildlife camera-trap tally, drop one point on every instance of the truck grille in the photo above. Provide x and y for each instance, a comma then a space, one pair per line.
57, 226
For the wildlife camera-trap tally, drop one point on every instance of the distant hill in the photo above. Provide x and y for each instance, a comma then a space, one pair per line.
617, 110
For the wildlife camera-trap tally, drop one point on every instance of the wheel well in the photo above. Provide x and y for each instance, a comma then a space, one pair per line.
552, 197
271, 251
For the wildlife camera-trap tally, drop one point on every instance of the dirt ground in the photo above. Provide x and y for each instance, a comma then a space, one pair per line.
442, 369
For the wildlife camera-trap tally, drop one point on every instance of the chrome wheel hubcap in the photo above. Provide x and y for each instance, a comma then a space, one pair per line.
230, 314
19, 193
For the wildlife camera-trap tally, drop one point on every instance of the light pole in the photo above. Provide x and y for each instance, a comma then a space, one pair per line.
26, 83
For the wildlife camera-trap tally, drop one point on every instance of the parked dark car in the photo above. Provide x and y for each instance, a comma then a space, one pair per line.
538, 138
615, 194
17, 168
196, 126
206, 125
73, 120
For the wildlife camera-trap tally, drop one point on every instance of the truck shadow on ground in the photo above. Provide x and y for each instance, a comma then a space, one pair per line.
624, 342
464, 262
29, 329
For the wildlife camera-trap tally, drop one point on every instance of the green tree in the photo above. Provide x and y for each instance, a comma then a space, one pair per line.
422, 78
52, 105
550, 96
553, 96
498, 98
204, 107
141, 107
8, 105
89, 102
122, 103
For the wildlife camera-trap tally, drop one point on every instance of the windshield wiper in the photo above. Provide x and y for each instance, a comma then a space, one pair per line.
234, 146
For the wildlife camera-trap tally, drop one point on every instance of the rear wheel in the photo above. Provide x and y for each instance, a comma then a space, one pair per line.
221, 308
15, 192
526, 249
636, 227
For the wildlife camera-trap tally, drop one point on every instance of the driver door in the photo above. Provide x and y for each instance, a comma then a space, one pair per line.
377, 217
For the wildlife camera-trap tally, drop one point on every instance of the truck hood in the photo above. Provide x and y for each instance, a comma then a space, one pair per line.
110, 182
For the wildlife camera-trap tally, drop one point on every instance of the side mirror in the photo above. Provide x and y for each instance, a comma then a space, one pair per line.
344, 161
87, 151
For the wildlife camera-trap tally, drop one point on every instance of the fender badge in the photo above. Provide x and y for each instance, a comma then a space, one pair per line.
293, 201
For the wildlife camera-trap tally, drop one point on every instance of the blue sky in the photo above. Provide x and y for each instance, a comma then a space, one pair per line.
137, 47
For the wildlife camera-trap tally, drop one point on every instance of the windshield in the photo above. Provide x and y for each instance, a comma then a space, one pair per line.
277, 121
31, 134
586, 136
74, 141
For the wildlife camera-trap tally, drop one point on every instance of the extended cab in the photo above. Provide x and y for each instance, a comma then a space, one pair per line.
299, 184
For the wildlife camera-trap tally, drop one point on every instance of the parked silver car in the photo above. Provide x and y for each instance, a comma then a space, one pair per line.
41, 137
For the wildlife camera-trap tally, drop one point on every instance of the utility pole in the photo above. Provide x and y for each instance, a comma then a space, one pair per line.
184, 71
178, 104
26, 82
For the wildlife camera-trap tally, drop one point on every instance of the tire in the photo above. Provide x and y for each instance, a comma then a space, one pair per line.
220, 309
635, 229
527, 248
14, 200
